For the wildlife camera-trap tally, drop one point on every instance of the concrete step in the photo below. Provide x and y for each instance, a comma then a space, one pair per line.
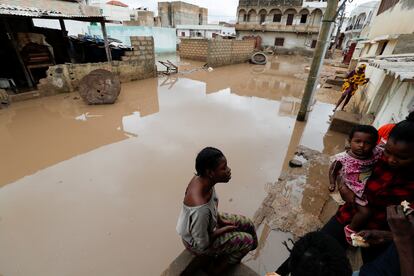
188, 264
344, 121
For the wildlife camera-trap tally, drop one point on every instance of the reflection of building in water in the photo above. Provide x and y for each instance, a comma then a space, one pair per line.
272, 81
289, 106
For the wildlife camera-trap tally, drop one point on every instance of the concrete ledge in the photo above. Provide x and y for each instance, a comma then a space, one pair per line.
344, 121
25, 96
188, 264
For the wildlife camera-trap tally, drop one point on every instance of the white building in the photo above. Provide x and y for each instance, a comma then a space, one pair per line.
315, 4
359, 19
204, 31
289, 26
389, 51
113, 10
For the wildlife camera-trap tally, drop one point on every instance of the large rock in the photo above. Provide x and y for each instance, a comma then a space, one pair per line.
4, 98
100, 87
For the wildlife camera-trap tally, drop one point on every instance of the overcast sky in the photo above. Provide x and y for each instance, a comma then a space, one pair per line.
218, 10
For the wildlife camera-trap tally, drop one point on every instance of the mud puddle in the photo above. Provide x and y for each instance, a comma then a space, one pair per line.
96, 190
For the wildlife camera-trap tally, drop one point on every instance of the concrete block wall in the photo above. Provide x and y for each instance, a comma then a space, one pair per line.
194, 49
135, 65
217, 52
226, 52
242, 50
143, 49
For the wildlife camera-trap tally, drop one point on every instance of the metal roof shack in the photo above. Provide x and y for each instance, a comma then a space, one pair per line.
402, 68
16, 17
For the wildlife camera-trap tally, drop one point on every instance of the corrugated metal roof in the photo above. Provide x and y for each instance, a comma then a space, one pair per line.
401, 68
12, 10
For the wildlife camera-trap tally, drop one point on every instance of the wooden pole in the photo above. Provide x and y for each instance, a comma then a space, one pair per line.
105, 37
317, 61
62, 26
65, 39
19, 57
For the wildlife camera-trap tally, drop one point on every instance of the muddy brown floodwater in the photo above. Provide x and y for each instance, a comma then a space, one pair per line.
96, 190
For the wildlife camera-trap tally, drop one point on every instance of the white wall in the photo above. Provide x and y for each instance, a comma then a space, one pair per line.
204, 33
292, 40
315, 4
364, 8
165, 39
397, 20
397, 104
115, 12
228, 30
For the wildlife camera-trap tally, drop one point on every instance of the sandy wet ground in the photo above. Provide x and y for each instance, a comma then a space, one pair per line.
96, 190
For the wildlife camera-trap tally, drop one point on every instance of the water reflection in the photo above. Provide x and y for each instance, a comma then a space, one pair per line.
98, 177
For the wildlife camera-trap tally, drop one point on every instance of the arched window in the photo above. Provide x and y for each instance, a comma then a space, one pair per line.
316, 17
262, 16
276, 15
252, 16
290, 14
304, 16
242, 16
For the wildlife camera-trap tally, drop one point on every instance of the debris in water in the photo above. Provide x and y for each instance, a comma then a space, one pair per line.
297, 161
100, 87
85, 116
171, 68
259, 58
4, 98
210, 69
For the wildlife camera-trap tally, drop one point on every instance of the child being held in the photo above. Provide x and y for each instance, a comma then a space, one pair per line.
355, 166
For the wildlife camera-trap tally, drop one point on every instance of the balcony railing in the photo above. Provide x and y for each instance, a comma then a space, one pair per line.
358, 27
349, 28
354, 27
277, 27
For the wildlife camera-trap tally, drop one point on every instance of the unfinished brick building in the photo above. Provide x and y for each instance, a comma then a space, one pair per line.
289, 25
181, 13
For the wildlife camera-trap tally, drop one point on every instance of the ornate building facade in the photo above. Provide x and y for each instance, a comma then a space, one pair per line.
285, 24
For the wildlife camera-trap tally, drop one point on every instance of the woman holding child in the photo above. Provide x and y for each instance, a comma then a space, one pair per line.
391, 181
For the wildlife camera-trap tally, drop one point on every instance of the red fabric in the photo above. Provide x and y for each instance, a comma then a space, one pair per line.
385, 187
384, 132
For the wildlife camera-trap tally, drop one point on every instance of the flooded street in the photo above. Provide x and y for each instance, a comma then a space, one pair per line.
96, 190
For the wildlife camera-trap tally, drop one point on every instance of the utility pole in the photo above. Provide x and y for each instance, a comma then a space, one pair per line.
319, 55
